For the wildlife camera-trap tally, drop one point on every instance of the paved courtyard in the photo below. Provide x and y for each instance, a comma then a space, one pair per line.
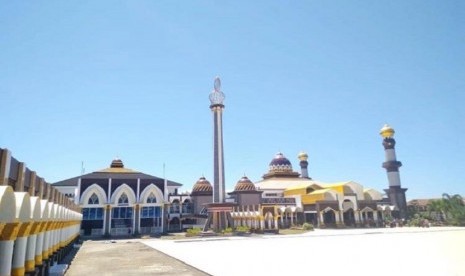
397, 251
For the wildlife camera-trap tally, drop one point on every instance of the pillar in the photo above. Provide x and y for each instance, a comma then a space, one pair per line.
322, 218
7, 238
19, 252
31, 247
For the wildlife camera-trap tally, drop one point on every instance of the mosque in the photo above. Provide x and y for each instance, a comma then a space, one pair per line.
118, 201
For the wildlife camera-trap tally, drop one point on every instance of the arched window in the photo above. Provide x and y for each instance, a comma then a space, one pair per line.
123, 199
93, 199
151, 198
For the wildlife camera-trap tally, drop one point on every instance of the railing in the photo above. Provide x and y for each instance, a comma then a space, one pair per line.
278, 200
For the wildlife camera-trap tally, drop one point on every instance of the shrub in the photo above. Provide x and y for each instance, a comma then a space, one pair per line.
193, 232
243, 229
308, 226
228, 230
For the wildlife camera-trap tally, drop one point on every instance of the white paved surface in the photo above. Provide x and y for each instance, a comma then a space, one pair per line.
397, 251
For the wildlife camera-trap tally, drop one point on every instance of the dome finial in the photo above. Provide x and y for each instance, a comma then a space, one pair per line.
303, 156
217, 96
217, 84
387, 131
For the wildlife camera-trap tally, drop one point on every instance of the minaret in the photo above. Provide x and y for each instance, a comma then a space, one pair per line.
303, 157
395, 193
216, 100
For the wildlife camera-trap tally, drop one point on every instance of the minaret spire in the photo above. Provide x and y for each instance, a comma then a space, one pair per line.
395, 192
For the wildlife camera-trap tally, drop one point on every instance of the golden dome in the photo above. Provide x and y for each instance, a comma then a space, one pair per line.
244, 184
303, 156
202, 185
387, 131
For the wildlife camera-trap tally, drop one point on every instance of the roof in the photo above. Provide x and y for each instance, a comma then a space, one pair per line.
114, 173
277, 183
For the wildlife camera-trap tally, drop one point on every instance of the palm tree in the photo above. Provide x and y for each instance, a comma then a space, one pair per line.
455, 207
437, 206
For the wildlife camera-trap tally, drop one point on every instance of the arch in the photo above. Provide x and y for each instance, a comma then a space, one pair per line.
355, 187
347, 204
331, 195
94, 188
93, 199
367, 209
23, 206
187, 200
151, 189
119, 191
348, 189
371, 194
329, 216
123, 198
7, 204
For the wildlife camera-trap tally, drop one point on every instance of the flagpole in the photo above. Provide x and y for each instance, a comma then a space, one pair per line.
165, 184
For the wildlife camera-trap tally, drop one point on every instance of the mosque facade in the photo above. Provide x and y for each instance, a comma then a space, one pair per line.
117, 201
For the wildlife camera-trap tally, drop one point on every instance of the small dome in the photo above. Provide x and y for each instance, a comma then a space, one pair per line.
303, 156
117, 163
202, 185
280, 163
387, 131
244, 184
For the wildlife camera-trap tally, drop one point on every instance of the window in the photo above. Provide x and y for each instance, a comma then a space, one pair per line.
151, 198
93, 199
92, 213
150, 212
123, 199
122, 213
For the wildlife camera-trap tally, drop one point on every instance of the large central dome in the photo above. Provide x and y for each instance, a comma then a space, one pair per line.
280, 163
280, 166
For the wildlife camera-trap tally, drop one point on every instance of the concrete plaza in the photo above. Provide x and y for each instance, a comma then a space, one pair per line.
386, 251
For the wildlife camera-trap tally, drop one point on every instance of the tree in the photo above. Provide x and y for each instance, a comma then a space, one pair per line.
454, 207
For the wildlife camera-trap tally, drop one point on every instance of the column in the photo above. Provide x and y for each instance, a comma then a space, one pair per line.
31, 246
322, 219
375, 216
107, 221
7, 238
358, 219
137, 219
19, 252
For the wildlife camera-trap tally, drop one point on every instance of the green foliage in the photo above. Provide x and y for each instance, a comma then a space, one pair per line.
308, 226
193, 232
242, 229
228, 230
450, 208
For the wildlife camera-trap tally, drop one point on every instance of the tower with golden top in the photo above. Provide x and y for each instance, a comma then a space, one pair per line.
396, 193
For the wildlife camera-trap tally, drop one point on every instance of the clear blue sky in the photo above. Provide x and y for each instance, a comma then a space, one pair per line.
92, 80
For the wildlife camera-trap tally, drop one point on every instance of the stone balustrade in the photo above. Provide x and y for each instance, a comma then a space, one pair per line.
38, 224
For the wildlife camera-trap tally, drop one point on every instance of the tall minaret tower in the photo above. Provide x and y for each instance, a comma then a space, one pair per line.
216, 105
303, 157
395, 193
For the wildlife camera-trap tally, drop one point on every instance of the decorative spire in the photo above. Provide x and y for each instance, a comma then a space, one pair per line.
217, 96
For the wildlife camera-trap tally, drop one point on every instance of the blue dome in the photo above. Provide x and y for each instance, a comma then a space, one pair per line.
280, 163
